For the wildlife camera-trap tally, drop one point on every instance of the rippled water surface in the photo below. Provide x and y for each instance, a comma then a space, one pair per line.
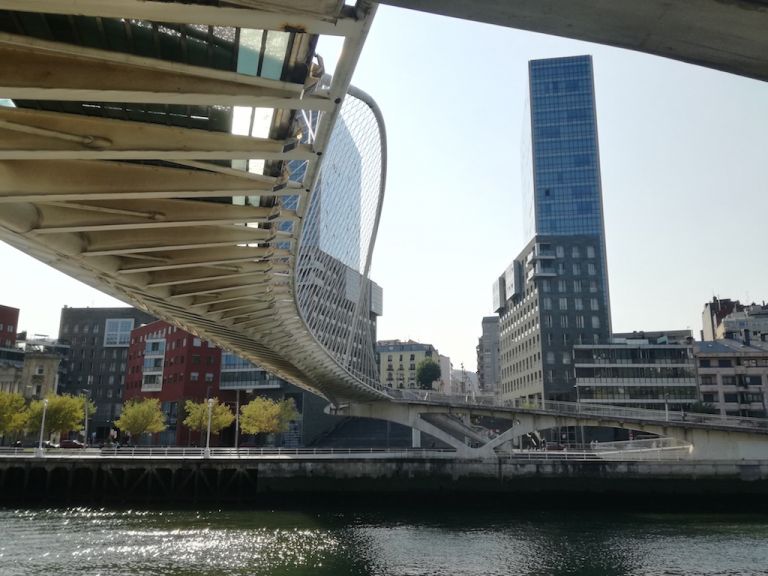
81, 541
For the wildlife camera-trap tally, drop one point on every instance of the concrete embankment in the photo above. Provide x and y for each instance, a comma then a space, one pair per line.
266, 481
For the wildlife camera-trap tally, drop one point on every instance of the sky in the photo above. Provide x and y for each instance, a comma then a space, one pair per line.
684, 160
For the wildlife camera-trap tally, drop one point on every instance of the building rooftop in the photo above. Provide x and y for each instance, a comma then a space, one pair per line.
729, 346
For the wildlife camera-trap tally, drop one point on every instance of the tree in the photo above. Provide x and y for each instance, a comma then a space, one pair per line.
64, 413
197, 416
427, 372
141, 416
262, 415
14, 413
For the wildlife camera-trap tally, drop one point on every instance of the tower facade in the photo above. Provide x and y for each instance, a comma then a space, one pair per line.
555, 293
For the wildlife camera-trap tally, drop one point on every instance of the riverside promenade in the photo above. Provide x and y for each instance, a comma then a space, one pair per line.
175, 476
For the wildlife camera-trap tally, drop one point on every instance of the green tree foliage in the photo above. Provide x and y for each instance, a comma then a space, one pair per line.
14, 413
141, 416
263, 415
427, 372
197, 416
63, 414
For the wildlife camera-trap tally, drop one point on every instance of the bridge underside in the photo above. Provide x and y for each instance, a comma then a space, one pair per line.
159, 151
725, 35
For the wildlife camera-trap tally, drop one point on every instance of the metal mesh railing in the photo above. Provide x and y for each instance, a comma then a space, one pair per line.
336, 299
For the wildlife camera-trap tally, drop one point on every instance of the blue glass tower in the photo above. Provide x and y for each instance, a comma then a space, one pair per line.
566, 160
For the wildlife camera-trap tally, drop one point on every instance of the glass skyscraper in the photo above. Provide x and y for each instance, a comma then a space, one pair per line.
554, 295
566, 161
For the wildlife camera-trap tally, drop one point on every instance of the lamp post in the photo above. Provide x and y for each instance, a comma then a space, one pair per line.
40, 452
207, 453
666, 407
85, 403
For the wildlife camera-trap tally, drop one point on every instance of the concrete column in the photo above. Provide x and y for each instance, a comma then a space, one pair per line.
415, 438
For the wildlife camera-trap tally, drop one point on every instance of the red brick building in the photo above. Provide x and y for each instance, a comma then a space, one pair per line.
170, 364
9, 324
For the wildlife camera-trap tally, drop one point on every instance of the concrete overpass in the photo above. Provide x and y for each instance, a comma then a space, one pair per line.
731, 36
452, 420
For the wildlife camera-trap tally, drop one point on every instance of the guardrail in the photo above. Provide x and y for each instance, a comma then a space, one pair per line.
577, 409
181, 452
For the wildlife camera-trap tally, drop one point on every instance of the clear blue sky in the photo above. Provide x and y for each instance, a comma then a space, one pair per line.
684, 155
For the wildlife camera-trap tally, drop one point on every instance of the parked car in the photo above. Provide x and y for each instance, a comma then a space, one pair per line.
71, 444
47, 444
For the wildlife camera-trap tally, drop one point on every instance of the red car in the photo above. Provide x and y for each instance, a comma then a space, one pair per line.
71, 444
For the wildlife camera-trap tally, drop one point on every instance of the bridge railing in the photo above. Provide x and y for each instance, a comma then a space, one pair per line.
577, 408
184, 452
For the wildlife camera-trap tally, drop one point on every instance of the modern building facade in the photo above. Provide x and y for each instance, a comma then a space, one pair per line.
488, 356
174, 366
555, 294
733, 375
637, 374
98, 340
399, 360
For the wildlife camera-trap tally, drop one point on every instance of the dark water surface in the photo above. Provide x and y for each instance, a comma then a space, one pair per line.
77, 541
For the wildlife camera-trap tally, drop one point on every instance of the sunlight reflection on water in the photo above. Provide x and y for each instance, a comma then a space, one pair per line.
79, 541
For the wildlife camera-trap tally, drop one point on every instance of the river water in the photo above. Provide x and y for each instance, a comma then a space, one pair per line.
77, 541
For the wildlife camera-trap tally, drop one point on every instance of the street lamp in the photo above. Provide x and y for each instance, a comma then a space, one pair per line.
207, 453
40, 452
85, 402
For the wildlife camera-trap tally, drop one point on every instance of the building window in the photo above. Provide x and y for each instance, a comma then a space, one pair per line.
593, 286
579, 321
590, 251
566, 357
117, 331
196, 342
578, 304
564, 321
576, 269
548, 320
575, 252
559, 251
593, 304
209, 377
595, 322
195, 358
550, 357
194, 376
577, 286
591, 270
562, 286
546, 303
563, 303
545, 285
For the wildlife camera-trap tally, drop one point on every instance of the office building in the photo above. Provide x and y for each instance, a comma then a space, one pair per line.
98, 340
488, 356
637, 372
555, 293
733, 375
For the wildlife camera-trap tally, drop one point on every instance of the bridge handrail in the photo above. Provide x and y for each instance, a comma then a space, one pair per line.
181, 451
576, 408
